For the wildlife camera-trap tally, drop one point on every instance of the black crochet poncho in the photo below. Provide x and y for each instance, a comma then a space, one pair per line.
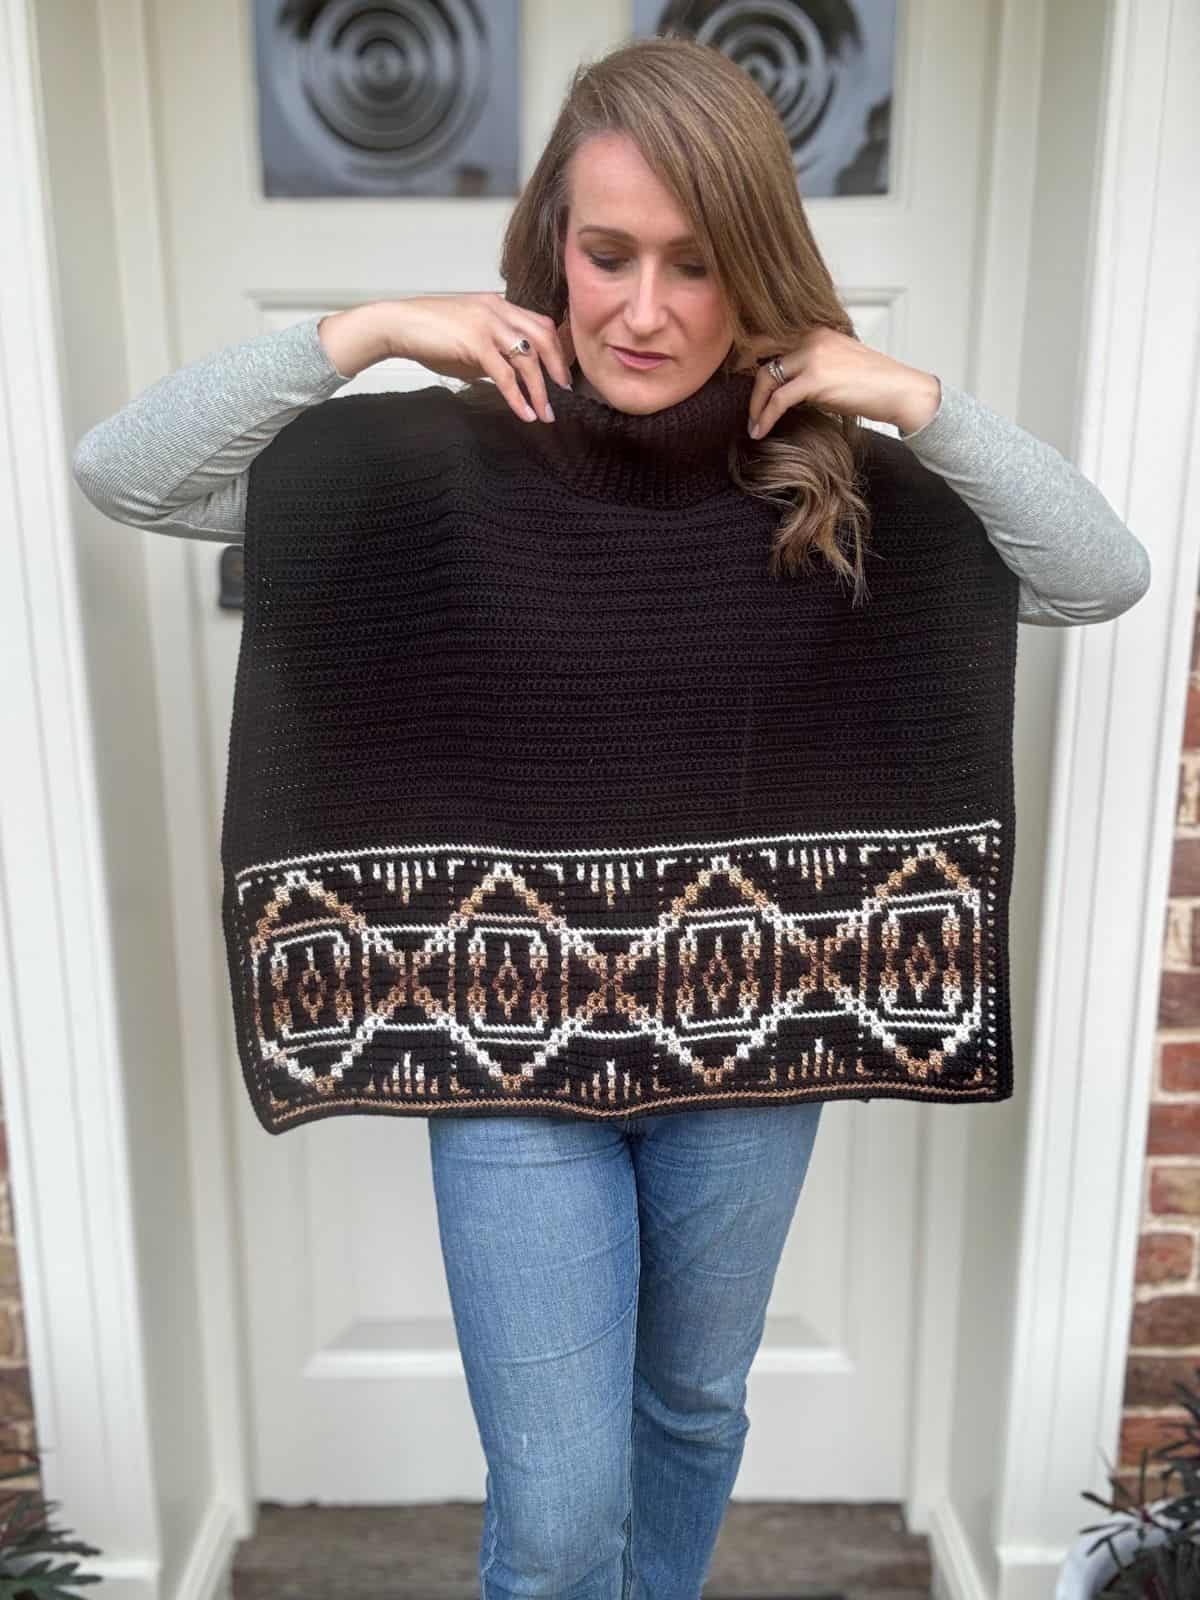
545, 797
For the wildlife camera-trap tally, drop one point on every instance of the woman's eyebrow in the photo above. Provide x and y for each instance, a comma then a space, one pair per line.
620, 233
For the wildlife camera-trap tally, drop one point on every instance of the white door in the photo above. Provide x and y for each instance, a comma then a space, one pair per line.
358, 1393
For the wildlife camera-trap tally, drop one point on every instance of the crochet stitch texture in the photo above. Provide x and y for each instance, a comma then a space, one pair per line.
545, 798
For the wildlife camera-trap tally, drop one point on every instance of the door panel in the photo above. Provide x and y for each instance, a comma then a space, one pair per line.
357, 1387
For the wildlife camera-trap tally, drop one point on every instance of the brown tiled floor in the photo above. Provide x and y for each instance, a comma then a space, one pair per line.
767, 1550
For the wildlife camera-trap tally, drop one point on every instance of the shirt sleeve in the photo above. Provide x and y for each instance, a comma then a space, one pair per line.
1076, 560
177, 457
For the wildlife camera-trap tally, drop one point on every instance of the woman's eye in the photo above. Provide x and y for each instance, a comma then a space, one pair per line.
611, 263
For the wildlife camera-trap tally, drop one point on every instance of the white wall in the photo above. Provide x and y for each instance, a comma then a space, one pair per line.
121, 680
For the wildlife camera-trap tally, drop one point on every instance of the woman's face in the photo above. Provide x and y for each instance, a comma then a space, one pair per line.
635, 280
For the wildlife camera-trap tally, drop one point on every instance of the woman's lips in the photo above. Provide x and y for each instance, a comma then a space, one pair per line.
638, 363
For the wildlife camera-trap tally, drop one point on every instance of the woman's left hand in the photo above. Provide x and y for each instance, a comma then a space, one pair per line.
837, 373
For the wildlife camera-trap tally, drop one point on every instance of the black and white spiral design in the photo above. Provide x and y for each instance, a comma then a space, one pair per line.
363, 95
403, 77
788, 52
826, 66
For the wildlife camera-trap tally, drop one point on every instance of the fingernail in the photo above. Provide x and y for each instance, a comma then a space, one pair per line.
529, 414
752, 430
549, 412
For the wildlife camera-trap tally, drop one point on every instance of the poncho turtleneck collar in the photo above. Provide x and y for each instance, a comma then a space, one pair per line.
674, 456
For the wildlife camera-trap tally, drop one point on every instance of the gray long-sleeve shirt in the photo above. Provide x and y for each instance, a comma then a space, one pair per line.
177, 459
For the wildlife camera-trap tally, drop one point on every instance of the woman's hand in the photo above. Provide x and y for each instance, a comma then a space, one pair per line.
466, 335
457, 335
837, 373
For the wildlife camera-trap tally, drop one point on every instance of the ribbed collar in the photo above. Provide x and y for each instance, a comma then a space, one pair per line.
674, 456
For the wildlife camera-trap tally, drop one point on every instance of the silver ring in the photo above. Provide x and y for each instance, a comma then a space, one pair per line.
775, 368
521, 348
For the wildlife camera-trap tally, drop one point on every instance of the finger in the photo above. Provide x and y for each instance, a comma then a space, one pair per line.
541, 330
501, 372
795, 357
782, 399
765, 386
528, 367
543, 333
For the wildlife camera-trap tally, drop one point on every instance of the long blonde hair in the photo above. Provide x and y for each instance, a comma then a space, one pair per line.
712, 137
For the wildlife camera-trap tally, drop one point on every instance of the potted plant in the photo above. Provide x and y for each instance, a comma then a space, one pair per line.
1148, 1549
29, 1541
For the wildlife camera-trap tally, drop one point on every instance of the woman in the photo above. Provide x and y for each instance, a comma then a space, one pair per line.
570, 626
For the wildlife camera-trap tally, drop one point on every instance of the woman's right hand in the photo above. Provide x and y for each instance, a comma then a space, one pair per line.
459, 336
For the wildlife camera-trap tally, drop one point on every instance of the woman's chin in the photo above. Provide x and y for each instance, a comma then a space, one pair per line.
625, 390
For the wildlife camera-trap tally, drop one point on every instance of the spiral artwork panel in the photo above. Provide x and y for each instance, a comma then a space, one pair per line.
828, 66
363, 97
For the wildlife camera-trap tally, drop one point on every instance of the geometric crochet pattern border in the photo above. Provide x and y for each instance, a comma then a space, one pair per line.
420, 978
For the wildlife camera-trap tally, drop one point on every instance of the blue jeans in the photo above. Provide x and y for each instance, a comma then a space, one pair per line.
609, 1282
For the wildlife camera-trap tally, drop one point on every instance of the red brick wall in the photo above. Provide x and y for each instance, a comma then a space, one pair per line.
1164, 1329
16, 1401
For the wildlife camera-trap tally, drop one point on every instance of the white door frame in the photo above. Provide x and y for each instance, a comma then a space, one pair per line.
1120, 718
59, 1045
1120, 715
60, 1065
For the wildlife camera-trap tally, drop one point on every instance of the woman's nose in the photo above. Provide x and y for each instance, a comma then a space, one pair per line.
646, 307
